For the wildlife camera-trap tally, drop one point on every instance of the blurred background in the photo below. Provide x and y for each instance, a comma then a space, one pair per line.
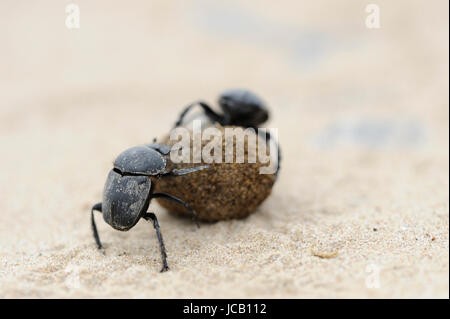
362, 115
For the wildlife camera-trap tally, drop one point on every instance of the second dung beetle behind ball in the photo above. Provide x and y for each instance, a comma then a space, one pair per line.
240, 107
129, 189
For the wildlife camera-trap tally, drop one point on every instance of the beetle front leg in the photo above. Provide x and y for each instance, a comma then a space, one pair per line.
97, 207
213, 116
151, 216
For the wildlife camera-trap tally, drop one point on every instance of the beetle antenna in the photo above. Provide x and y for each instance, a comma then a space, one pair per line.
97, 207
152, 216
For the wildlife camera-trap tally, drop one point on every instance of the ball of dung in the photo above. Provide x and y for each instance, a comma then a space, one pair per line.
223, 190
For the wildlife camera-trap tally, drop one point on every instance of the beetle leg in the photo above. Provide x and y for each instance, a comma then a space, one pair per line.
161, 148
184, 171
179, 201
151, 216
213, 116
97, 207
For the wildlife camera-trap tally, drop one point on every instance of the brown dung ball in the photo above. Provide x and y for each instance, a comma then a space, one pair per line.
222, 191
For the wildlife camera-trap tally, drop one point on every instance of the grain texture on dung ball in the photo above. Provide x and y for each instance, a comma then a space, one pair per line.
222, 191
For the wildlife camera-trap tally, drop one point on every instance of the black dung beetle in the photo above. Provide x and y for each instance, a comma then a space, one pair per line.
240, 107
128, 190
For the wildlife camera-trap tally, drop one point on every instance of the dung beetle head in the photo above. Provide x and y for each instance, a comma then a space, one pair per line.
125, 199
126, 195
243, 108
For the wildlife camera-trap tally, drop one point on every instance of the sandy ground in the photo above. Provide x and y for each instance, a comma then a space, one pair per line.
362, 117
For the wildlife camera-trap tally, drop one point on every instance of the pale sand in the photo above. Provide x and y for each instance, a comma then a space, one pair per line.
71, 100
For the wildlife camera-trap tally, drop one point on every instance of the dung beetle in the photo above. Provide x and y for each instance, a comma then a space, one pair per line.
240, 107
129, 189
